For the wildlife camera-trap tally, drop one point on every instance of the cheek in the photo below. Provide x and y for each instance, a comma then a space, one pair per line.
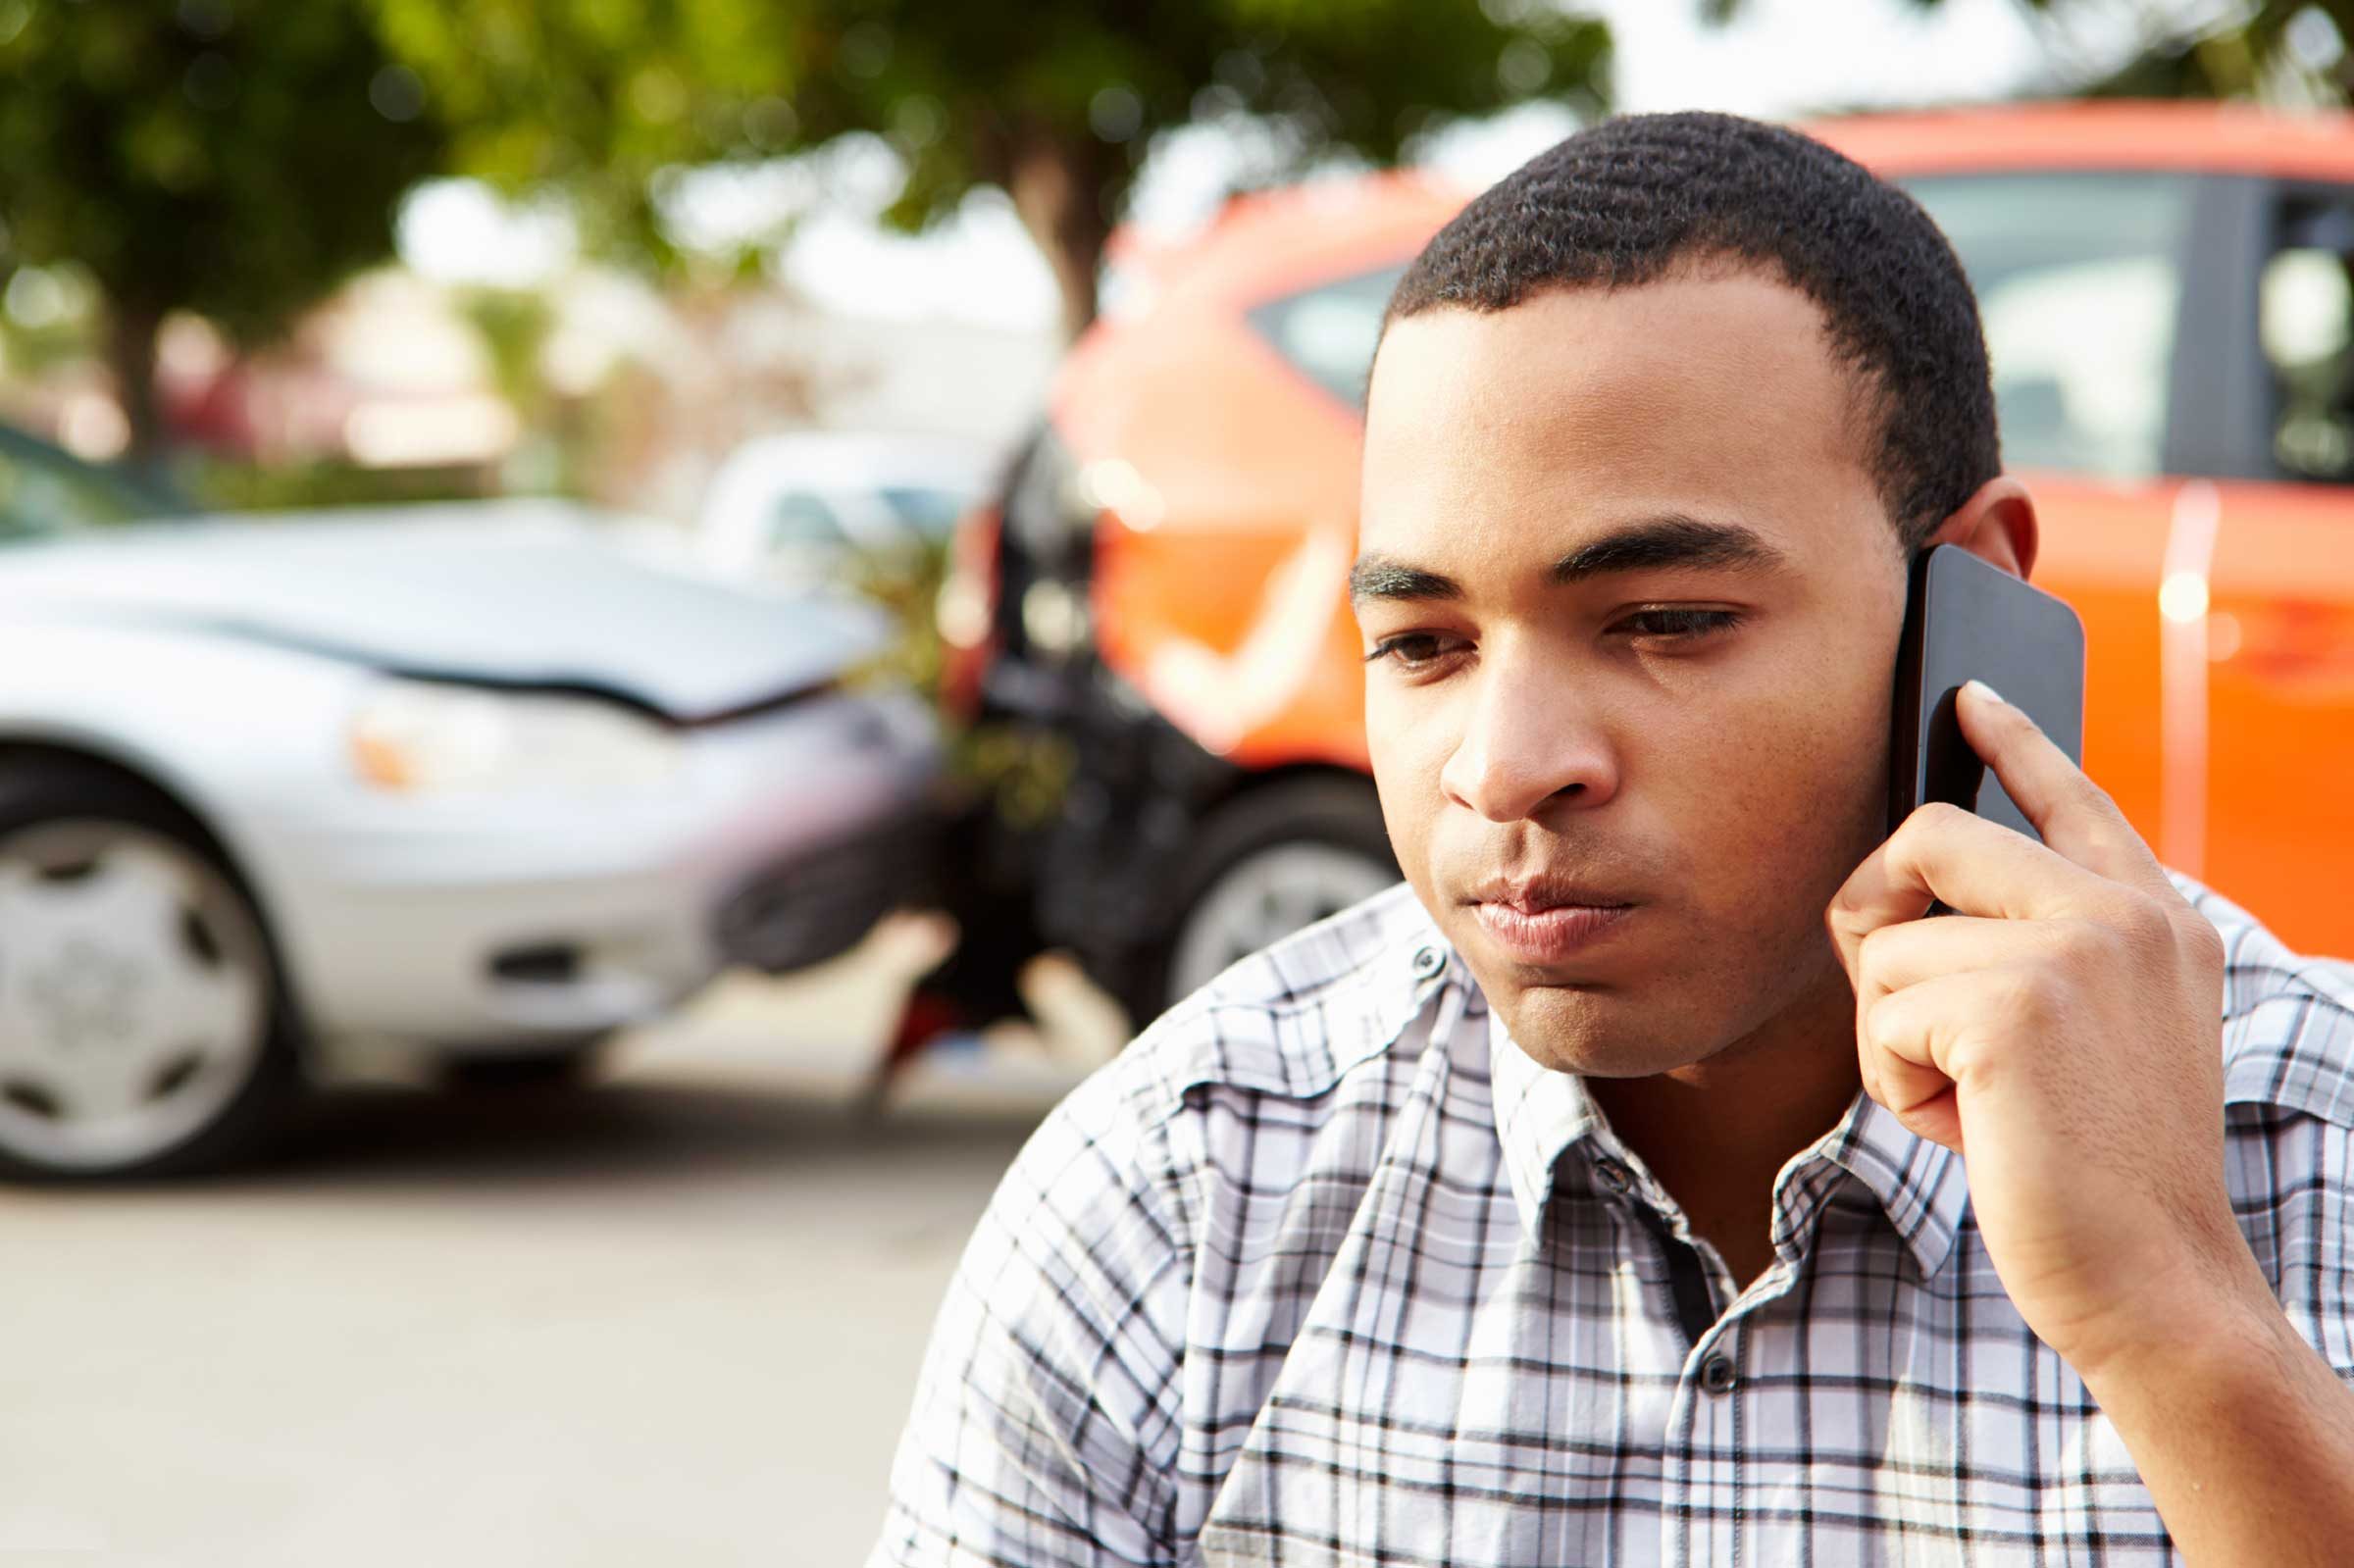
1409, 755
1793, 792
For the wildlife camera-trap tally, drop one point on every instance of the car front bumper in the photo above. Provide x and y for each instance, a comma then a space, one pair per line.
498, 923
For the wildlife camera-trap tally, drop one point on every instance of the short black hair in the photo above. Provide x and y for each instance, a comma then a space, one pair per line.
1626, 201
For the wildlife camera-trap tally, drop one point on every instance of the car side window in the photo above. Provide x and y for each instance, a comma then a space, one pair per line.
2080, 280
2305, 322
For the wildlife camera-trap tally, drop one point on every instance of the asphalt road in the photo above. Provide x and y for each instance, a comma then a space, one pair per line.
672, 1319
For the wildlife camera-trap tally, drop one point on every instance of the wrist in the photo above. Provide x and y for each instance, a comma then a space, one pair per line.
2202, 1345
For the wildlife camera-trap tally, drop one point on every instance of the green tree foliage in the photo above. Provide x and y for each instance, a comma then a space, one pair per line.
1057, 103
2256, 49
2270, 47
237, 158
599, 98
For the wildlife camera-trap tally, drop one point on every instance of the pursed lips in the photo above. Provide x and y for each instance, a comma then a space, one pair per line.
1546, 918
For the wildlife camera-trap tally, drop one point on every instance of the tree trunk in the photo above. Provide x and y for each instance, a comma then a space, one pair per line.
1057, 183
130, 355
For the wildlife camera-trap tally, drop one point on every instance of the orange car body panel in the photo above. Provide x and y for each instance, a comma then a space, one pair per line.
1219, 580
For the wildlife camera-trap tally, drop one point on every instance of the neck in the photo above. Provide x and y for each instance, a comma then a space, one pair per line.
1717, 1133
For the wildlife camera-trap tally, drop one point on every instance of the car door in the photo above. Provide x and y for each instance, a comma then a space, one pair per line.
2272, 626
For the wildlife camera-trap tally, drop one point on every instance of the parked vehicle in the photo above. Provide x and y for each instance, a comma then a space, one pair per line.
2169, 299
801, 508
466, 778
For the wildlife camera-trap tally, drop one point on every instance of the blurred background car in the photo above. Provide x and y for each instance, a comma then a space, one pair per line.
803, 508
2166, 303
462, 777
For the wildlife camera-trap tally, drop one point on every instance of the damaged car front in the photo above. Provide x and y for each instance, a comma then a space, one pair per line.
472, 781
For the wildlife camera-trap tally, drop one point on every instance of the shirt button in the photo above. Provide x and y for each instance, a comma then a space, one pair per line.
1428, 961
1613, 1176
1717, 1374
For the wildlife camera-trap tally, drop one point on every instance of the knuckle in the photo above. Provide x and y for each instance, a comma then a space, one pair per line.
1841, 918
2201, 941
2103, 841
2081, 943
1884, 1022
2128, 927
2146, 924
2030, 999
1876, 1015
1935, 820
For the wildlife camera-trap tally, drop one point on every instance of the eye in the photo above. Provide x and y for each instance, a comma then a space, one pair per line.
1411, 650
1673, 624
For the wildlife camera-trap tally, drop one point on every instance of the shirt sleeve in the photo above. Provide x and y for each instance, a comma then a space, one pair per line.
1045, 1430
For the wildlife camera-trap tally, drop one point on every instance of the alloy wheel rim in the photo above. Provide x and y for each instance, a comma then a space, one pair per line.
135, 994
1265, 897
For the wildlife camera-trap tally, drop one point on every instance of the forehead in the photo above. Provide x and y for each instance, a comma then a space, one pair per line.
1715, 396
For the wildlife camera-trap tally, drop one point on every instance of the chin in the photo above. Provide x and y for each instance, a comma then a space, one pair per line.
1602, 1032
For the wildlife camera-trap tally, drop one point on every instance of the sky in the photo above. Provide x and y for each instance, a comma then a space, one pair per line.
1784, 58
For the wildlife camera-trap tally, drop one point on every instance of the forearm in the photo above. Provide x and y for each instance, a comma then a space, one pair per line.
2244, 1437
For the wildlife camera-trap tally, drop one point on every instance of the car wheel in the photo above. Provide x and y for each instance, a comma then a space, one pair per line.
1270, 862
144, 1028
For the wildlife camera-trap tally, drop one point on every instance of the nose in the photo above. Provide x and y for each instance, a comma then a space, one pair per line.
1532, 741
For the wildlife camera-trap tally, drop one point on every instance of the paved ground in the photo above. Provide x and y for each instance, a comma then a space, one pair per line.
674, 1319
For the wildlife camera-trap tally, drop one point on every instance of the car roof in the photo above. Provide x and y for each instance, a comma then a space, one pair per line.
2103, 134
1266, 242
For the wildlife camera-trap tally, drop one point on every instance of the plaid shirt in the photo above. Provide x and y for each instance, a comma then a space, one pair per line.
1324, 1269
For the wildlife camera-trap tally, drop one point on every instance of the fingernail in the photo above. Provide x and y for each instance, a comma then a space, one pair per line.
1987, 691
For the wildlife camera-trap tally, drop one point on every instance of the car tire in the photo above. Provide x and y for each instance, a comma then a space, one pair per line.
1267, 863
146, 1029
556, 1067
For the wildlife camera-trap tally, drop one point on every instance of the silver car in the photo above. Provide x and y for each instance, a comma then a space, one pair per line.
469, 779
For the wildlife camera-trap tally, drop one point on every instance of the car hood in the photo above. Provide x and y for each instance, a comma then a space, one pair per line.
527, 594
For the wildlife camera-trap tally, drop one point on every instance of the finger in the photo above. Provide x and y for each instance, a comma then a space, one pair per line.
2076, 816
1910, 952
1913, 1039
1975, 866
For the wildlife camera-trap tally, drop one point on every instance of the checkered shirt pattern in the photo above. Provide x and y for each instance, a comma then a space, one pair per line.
1325, 1270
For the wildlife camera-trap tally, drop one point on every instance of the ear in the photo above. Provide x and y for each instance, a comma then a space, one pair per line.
1997, 525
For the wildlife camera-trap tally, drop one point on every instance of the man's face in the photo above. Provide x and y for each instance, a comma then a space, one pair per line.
1637, 602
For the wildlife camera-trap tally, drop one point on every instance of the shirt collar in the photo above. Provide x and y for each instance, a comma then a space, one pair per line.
1922, 1185
1541, 1113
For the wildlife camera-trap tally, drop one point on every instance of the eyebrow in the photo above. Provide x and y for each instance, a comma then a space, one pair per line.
1653, 545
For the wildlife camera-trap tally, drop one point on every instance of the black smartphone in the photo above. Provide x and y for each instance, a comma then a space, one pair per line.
1966, 619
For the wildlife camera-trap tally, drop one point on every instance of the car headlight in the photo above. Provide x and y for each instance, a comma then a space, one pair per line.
421, 738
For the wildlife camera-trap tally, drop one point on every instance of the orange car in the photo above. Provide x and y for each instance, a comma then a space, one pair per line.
2168, 294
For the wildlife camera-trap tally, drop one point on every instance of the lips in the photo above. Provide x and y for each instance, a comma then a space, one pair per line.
1545, 920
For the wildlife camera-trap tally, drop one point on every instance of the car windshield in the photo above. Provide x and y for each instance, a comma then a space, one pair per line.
929, 510
1328, 333
45, 492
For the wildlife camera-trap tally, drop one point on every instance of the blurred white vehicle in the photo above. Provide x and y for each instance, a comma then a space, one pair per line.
466, 778
798, 509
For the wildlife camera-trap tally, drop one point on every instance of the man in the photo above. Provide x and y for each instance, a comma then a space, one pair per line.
1646, 1181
